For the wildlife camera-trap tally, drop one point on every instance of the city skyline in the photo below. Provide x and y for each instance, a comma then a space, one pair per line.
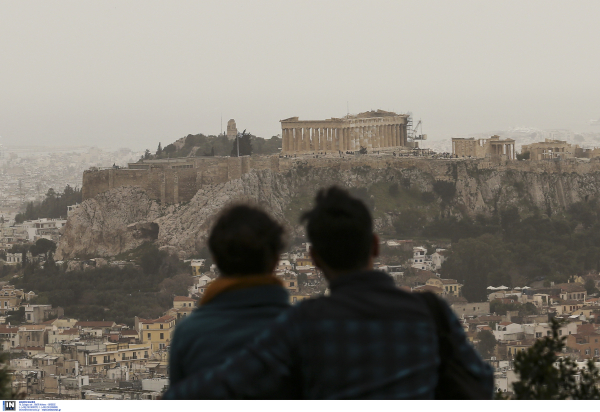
133, 74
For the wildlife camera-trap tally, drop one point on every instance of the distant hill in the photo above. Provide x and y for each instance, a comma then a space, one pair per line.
195, 145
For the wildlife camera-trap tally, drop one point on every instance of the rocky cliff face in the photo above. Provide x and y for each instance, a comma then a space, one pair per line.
99, 226
123, 218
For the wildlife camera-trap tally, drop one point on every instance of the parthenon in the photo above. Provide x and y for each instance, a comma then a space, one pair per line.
372, 130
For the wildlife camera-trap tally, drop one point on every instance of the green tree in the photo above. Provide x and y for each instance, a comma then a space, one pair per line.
16, 316
410, 222
159, 150
43, 247
523, 156
486, 344
177, 285
545, 375
590, 286
50, 264
245, 143
152, 259
475, 262
6, 391
53, 206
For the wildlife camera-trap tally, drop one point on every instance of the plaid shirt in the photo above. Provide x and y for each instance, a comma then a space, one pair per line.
367, 340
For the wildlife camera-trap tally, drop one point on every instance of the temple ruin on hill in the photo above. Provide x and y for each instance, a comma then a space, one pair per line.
481, 148
372, 130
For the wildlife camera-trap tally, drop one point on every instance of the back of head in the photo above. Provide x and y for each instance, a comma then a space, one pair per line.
340, 229
245, 241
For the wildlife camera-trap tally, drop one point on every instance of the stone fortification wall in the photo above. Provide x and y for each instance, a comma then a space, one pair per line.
177, 181
180, 182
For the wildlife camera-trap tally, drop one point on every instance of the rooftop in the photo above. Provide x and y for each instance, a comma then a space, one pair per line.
163, 319
183, 299
95, 324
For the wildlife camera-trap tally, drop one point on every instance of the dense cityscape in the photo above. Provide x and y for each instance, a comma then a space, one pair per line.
84, 347
384, 200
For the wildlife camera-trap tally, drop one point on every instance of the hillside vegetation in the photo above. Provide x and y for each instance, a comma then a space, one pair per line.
111, 293
202, 145
53, 206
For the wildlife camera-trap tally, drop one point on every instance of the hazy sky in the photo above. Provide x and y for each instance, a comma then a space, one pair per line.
133, 73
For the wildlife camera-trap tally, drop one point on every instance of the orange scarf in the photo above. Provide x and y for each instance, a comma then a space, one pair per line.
224, 284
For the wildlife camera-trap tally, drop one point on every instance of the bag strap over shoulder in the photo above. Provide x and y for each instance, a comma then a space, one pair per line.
455, 381
437, 313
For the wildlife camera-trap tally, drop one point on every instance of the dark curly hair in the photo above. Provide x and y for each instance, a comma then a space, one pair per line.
340, 229
245, 241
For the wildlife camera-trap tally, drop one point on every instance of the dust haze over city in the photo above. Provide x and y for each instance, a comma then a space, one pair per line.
469, 130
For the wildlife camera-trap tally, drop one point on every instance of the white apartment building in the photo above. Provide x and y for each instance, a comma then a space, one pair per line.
43, 228
438, 258
420, 260
200, 283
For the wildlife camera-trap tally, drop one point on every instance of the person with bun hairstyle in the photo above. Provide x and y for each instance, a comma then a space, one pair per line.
367, 340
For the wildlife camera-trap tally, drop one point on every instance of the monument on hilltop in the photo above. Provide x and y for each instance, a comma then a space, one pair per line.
373, 130
231, 129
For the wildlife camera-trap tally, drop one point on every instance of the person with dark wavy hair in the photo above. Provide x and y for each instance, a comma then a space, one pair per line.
245, 244
367, 340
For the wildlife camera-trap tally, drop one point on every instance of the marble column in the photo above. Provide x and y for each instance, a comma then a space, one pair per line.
307, 139
298, 139
365, 137
283, 141
346, 139
376, 142
402, 135
386, 136
374, 136
289, 147
332, 139
301, 139
317, 139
